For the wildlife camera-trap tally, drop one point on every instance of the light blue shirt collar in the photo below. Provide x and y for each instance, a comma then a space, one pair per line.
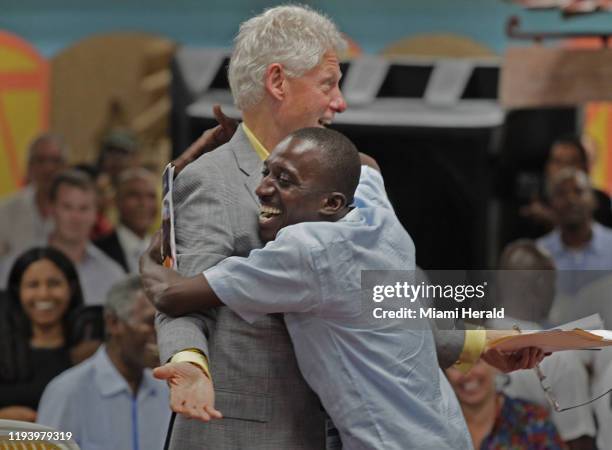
595, 245
110, 382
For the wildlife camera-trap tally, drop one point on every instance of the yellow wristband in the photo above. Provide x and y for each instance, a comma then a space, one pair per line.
193, 356
473, 346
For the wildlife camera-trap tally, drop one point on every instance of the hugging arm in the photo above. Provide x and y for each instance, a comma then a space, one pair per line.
251, 287
170, 292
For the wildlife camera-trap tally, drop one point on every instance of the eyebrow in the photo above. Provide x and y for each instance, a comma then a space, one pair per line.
333, 77
286, 170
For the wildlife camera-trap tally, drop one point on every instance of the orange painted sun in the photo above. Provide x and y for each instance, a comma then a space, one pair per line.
24, 106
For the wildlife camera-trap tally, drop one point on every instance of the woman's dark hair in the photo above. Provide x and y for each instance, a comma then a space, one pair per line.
16, 332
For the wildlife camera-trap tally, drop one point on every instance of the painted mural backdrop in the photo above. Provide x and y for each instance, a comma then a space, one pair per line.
24, 106
597, 128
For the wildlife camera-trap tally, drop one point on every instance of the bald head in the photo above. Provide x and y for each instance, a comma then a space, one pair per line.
525, 281
524, 254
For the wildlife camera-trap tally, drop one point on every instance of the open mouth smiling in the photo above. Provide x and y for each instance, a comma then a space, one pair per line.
268, 212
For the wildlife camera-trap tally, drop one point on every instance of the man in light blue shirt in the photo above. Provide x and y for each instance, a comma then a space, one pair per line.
111, 400
580, 247
379, 380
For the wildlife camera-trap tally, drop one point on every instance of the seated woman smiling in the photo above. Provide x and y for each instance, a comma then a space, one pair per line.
43, 292
499, 422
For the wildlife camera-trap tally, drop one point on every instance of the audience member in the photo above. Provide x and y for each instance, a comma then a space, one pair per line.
105, 201
136, 200
73, 208
526, 290
25, 216
580, 247
111, 400
565, 152
43, 292
117, 153
496, 421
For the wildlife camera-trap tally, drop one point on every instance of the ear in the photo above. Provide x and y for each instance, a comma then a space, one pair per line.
275, 81
333, 203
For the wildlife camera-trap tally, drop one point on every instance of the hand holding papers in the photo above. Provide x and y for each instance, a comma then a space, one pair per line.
554, 340
566, 337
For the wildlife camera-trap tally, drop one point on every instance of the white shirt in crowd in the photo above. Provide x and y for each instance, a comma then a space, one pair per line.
21, 224
133, 246
97, 272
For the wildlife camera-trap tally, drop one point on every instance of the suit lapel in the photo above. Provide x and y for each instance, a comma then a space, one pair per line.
248, 162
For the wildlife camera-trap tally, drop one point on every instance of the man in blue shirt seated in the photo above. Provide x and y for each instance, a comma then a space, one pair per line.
111, 400
378, 379
580, 247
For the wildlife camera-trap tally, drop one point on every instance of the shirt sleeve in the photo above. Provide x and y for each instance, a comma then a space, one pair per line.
473, 346
370, 191
278, 278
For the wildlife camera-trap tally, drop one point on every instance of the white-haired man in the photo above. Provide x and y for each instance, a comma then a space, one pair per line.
25, 216
284, 74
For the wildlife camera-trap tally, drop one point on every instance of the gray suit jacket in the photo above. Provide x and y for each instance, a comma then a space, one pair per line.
265, 401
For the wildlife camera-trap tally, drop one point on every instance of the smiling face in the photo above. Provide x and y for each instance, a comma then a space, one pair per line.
474, 388
44, 293
294, 189
313, 99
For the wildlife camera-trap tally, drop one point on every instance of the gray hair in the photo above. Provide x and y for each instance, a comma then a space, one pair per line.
45, 137
567, 173
122, 296
295, 36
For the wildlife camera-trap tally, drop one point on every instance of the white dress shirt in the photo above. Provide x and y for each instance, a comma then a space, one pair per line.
97, 272
21, 225
133, 246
